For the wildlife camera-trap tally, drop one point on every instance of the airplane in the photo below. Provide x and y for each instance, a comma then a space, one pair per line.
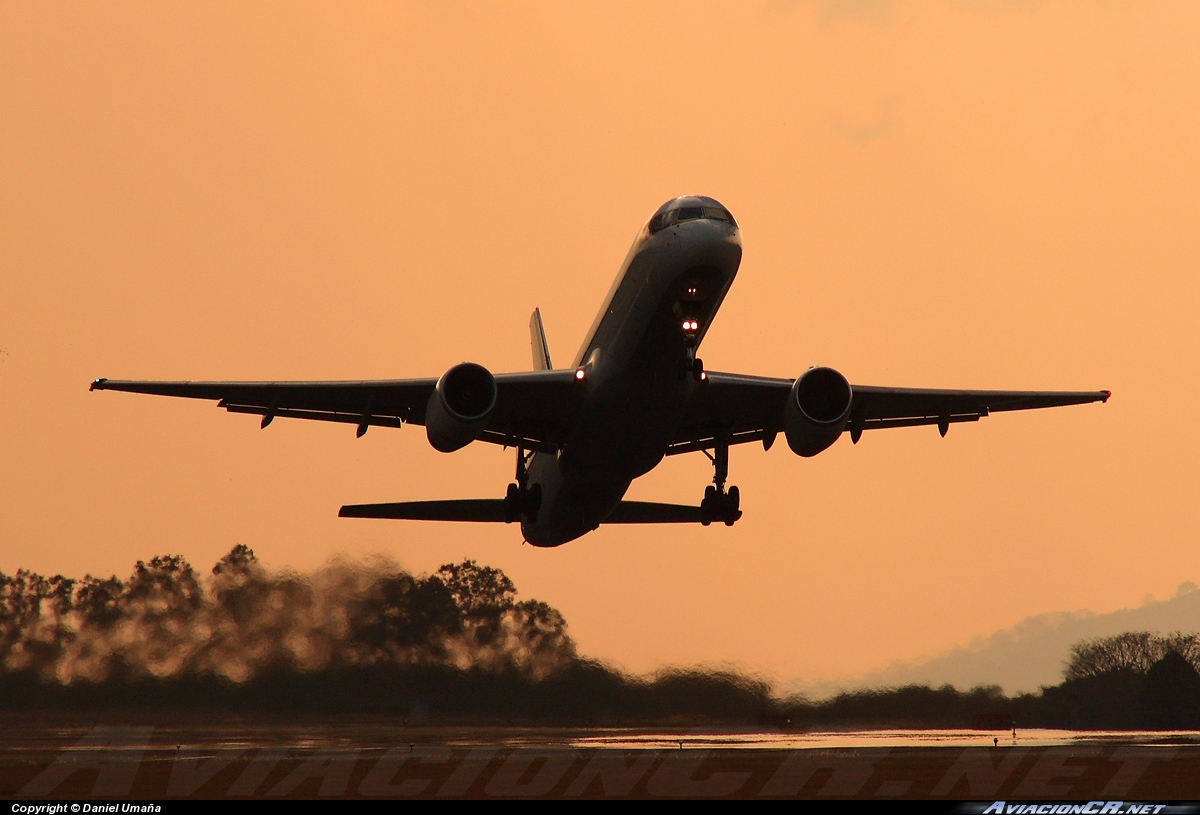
635, 393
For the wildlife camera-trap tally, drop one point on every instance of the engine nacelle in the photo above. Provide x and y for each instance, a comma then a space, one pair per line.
460, 406
817, 410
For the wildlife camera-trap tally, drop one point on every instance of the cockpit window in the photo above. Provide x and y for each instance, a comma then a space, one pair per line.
661, 220
673, 216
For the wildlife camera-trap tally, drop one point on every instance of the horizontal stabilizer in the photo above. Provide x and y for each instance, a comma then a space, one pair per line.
491, 510
646, 512
477, 510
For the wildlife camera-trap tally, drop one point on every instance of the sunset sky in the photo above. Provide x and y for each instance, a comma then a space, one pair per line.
990, 194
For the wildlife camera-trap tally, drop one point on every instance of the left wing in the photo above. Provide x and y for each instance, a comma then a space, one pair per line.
536, 408
739, 409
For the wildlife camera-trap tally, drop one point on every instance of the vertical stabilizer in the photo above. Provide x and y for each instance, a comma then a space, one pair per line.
537, 336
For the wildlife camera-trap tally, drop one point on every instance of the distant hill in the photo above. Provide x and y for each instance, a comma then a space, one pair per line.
1032, 653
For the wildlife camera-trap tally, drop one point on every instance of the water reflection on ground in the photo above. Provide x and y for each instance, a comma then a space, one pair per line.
845, 739
354, 733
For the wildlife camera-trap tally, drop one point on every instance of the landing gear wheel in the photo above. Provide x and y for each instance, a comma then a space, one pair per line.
698, 370
733, 502
708, 507
512, 504
719, 505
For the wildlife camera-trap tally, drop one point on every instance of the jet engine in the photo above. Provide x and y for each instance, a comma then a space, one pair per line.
817, 410
460, 406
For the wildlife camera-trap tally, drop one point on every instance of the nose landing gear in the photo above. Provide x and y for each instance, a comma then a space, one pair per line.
719, 505
522, 501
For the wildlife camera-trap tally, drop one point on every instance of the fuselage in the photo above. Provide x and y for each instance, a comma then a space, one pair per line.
635, 361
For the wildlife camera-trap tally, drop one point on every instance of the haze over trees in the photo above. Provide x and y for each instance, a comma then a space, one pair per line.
349, 637
166, 621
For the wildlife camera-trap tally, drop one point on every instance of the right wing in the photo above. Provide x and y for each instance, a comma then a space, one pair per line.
880, 407
732, 407
536, 409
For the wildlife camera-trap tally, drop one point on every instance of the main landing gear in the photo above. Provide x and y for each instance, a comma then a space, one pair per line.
719, 505
522, 502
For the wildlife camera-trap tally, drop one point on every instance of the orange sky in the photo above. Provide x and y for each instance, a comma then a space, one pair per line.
952, 194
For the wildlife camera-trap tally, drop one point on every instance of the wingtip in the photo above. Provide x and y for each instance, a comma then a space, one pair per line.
97, 383
1106, 395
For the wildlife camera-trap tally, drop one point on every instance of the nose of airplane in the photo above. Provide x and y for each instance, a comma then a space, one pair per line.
690, 208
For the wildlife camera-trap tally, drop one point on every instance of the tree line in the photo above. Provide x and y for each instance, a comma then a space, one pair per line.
459, 645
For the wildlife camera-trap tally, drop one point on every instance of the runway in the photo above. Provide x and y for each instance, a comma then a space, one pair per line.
359, 758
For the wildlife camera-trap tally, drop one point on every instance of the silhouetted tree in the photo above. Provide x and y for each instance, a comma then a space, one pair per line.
478, 589
167, 585
402, 613
483, 594
98, 600
1171, 697
1133, 650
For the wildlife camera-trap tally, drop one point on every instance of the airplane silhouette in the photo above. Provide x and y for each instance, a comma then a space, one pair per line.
634, 393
